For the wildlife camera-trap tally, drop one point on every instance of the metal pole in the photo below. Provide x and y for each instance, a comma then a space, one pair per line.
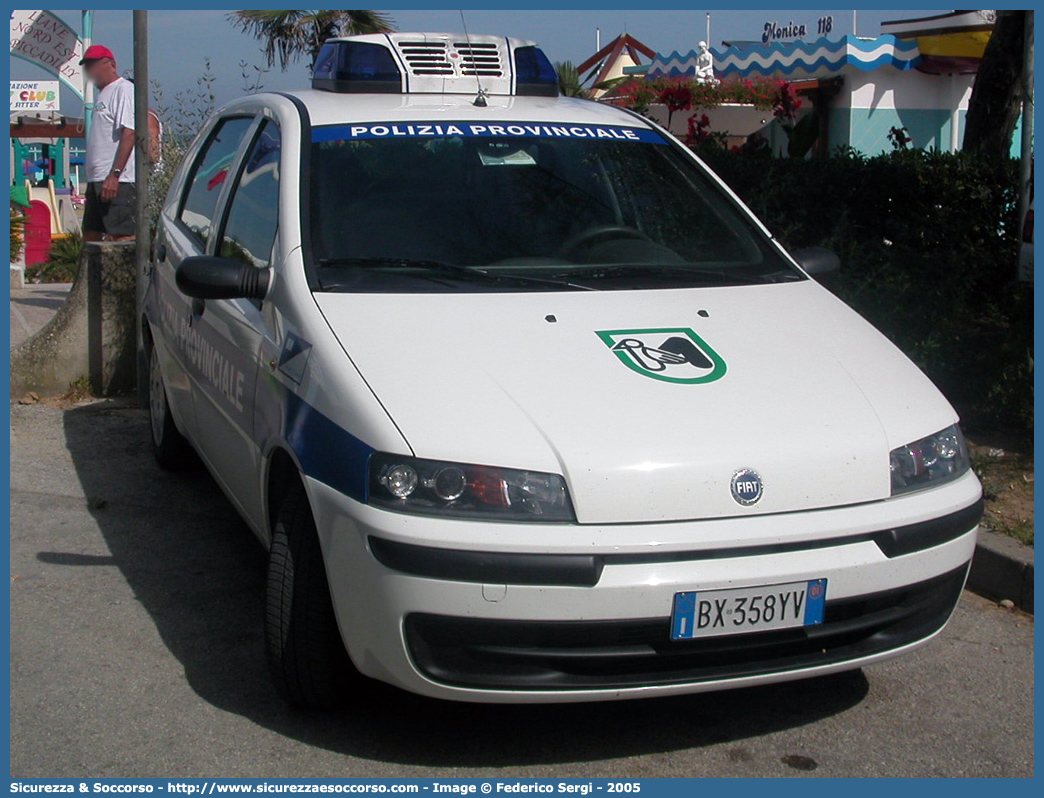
855, 19
1026, 156
708, 30
88, 88
143, 240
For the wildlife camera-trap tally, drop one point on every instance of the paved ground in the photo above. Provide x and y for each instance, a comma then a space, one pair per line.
33, 306
136, 651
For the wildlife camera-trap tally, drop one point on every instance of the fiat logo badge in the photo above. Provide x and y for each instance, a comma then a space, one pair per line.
747, 486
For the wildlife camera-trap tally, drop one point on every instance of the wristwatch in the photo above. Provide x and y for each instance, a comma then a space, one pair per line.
117, 172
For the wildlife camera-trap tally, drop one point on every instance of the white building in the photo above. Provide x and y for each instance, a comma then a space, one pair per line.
917, 75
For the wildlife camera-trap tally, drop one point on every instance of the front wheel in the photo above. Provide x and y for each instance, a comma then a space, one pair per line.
306, 656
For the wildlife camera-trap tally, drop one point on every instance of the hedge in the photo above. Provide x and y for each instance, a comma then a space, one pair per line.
928, 243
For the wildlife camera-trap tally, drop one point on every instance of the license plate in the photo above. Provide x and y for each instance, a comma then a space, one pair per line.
709, 613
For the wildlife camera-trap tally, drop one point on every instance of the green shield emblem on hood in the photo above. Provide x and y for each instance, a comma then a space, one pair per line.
671, 354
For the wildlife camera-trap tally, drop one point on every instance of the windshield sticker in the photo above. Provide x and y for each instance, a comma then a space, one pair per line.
671, 354
511, 158
363, 132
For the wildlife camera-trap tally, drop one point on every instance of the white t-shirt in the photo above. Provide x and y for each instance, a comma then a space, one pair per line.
113, 111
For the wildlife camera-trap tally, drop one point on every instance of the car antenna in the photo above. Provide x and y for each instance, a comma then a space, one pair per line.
480, 98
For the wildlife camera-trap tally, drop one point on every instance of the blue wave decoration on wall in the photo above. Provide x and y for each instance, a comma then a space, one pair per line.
788, 57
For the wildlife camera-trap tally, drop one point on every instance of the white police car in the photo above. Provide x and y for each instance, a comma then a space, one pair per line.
526, 405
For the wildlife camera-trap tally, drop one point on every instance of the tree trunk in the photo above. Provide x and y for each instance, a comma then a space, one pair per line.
996, 99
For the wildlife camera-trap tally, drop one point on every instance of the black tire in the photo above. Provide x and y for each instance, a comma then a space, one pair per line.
306, 656
172, 450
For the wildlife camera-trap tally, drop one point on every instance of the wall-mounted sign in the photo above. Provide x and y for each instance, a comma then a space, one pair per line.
34, 95
774, 31
41, 38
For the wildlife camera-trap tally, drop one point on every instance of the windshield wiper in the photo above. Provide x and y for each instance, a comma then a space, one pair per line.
617, 270
449, 268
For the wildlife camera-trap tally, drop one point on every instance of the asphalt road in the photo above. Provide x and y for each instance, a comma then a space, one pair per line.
136, 651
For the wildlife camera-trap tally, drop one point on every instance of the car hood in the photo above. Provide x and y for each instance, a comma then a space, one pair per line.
648, 402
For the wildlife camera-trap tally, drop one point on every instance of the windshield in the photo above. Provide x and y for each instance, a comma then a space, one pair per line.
534, 207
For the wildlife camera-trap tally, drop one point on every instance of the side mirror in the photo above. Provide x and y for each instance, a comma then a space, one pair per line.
208, 277
821, 263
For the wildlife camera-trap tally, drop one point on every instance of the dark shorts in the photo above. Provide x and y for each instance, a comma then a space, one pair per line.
115, 218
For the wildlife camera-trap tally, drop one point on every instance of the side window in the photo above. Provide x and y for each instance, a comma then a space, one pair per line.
253, 215
204, 187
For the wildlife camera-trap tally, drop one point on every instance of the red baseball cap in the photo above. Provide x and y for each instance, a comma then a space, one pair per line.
96, 52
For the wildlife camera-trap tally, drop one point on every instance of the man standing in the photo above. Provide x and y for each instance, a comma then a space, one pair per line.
111, 197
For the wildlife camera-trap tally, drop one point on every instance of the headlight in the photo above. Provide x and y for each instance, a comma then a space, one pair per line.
432, 487
930, 461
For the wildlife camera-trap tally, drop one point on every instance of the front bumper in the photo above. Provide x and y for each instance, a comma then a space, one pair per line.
598, 655
515, 613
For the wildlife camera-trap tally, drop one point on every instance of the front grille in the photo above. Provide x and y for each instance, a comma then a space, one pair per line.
585, 655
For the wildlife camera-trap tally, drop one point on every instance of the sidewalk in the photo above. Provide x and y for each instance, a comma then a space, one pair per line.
33, 306
1002, 570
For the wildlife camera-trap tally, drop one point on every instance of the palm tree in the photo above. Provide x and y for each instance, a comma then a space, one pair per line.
289, 35
996, 99
569, 81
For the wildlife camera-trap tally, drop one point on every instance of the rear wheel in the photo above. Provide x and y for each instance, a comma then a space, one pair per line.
306, 656
173, 452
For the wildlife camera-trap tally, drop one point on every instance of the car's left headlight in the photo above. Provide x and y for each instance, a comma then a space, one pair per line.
462, 490
931, 461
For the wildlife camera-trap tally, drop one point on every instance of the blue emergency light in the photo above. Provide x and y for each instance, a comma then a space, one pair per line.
433, 63
534, 74
356, 67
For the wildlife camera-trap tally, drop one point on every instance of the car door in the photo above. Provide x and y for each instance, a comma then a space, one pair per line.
186, 231
232, 329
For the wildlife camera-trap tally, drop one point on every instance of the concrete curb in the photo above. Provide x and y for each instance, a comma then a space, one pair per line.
92, 335
1002, 568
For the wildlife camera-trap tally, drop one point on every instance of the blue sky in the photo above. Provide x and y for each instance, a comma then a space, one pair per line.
180, 40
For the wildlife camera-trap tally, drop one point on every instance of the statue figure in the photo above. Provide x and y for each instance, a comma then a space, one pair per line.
705, 65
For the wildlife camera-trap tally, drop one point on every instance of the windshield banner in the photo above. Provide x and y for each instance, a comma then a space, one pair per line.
483, 130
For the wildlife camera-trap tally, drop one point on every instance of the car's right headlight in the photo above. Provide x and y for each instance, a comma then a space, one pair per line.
462, 490
931, 461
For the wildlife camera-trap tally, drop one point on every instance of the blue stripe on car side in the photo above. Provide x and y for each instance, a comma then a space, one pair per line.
326, 451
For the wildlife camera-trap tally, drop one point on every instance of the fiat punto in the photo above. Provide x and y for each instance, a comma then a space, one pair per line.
526, 405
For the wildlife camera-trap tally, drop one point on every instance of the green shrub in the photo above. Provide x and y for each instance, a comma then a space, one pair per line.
61, 265
17, 234
928, 243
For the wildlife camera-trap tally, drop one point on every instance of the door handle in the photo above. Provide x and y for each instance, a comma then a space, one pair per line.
198, 306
